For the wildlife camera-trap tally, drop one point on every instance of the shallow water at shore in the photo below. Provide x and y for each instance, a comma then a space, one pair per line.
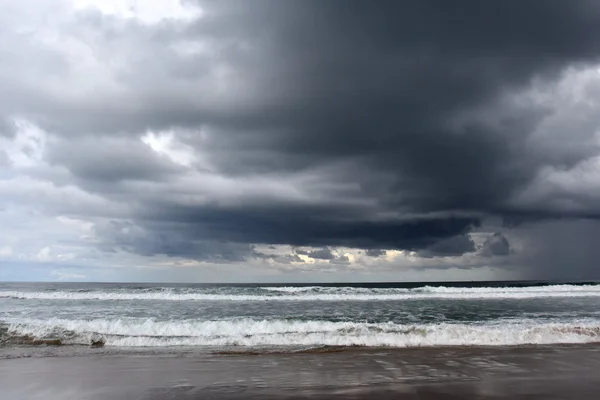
541, 372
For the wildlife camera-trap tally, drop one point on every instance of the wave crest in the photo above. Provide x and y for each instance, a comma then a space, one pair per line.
257, 333
313, 293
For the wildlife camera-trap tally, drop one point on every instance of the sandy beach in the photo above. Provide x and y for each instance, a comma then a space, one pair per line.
546, 372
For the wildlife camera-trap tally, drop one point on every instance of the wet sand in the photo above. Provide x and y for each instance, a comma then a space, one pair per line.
549, 372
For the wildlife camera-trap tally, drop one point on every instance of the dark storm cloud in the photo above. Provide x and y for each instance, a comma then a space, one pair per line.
453, 246
304, 226
403, 105
377, 83
495, 245
377, 86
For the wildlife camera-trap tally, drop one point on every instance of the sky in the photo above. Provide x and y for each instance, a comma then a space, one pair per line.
299, 141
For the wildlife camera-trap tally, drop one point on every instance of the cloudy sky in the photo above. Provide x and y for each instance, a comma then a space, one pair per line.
313, 140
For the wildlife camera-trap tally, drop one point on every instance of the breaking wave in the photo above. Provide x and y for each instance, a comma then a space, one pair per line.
279, 332
312, 293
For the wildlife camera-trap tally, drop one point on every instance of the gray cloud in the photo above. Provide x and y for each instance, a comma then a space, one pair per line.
4, 160
341, 260
321, 254
453, 246
391, 125
559, 249
125, 236
109, 161
375, 252
495, 245
280, 258
7, 128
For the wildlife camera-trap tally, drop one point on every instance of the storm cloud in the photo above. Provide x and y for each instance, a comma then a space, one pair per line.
381, 126
495, 245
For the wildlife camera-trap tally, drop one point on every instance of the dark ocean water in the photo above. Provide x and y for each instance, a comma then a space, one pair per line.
299, 316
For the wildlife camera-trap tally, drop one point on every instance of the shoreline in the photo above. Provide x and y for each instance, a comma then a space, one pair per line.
43, 350
532, 372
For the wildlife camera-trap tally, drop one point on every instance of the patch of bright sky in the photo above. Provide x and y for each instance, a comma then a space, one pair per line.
27, 146
166, 143
144, 11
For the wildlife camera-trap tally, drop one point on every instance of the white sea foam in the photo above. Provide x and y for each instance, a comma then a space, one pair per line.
332, 290
295, 289
248, 332
316, 293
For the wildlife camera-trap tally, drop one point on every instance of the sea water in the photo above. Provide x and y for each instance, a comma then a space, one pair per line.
298, 316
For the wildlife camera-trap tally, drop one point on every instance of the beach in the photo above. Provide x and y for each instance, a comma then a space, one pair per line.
488, 340
316, 199
530, 372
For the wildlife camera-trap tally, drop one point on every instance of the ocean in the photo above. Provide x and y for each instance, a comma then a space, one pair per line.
297, 317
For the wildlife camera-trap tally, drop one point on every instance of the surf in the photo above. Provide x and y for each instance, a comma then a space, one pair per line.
313, 293
283, 332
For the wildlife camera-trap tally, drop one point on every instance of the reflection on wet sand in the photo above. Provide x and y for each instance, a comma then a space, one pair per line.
558, 372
